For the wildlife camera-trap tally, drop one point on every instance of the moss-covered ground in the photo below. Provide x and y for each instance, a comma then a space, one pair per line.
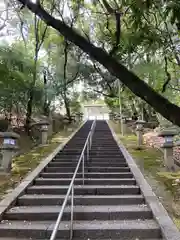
165, 184
24, 164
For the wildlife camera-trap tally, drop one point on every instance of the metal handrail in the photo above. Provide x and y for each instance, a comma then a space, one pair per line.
87, 146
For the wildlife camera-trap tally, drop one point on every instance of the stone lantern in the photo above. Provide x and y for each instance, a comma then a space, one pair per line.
139, 131
168, 148
43, 127
8, 148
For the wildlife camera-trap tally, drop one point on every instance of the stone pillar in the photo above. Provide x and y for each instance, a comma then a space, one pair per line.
118, 118
78, 117
139, 132
8, 148
168, 148
124, 126
44, 133
81, 116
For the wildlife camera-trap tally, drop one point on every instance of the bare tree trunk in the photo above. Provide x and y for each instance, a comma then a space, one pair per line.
38, 45
46, 104
31, 97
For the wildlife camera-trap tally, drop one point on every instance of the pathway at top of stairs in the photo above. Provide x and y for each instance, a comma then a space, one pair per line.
109, 206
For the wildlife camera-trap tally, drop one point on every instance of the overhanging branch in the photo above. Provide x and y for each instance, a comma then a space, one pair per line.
141, 89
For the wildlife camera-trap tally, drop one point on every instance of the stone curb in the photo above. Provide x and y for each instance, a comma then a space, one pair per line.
168, 228
11, 197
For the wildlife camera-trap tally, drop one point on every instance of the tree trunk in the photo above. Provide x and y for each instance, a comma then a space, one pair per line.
167, 109
46, 104
67, 107
29, 112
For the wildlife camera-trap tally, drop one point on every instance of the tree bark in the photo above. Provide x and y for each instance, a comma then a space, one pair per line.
45, 105
67, 107
29, 112
30, 100
167, 109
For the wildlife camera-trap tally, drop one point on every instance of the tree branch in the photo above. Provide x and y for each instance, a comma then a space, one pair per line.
65, 59
105, 94
167, 74
162, 105
117, 15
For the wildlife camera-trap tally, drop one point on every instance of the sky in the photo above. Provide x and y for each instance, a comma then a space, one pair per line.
9, 32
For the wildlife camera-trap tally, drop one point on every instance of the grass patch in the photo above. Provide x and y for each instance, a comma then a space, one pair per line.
172, 182
177, 222
150, 159
151, 163
25, 163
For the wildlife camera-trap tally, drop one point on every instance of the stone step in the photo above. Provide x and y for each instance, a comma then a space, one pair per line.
130, 229
73, 239
107, 158
68, 157
87, 175
107, 140
40, 199
91, 160
94, 181
104, 145
71, 152
74, 145
86, 189
97, 164
110, 141
41, 213
106, 155
75, 142
110, 163
104, 151
71, 149
101, 146
107, 150
88, 169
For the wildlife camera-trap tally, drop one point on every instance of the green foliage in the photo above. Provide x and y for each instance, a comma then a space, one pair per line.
148, 35
16, 69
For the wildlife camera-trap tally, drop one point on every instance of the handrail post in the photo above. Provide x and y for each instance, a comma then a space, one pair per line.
83, 168
72, 210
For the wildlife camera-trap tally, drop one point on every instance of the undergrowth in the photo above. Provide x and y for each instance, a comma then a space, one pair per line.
150, 160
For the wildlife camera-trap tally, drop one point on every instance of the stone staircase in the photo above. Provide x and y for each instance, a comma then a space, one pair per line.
109, 205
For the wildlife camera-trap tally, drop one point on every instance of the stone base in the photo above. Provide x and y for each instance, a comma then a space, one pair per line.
139, 138
168, 159
43, 145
